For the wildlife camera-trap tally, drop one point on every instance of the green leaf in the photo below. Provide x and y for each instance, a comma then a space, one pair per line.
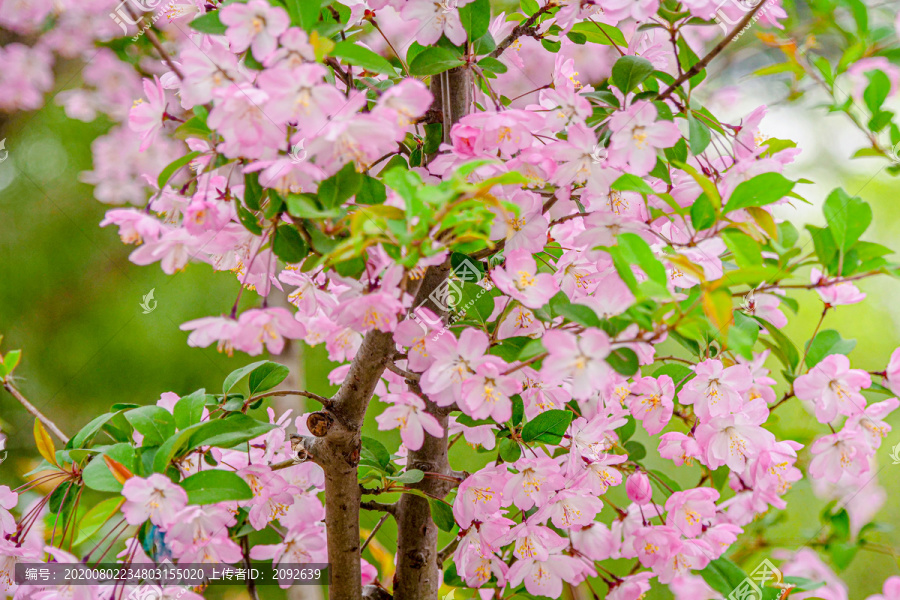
825, 343
252, 191
600, 33
742, 336
354, 54
630, 71
209, 487
155, 423
698, 136
745, 249
847, 217
510, 451
304, 13
627, 430
94, 519
338, 188
189, 410
409, 476
208, 23
547, 427
434, 60
877, 91
173, 166
87, 433
491, 64
667, 480
374, 453
239, 374
476, 18
579, 313
761, 190
266, 376
96, 474
723, 575
289, 245
636, 450
703, 214
624, 361
231, 431
442, 515
371, 190
631, 183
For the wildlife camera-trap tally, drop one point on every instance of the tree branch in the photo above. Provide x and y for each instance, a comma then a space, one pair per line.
9, 387
703, 62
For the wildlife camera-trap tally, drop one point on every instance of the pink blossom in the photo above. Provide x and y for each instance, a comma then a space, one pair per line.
631, 587
479, 435
807, 564
537, 480
581, 359
651, 402
638, 488
436, 18
520, 280
595, 541
679, 448
578, 157
301, 95
134, 225
833, 387
147, 118
304, 544
199, 535
238, 116
716, 390
870, 422
636, 136
765, 306
266, 327
454, 362
734, 439
891, 589
544, 578
255, 25
689, 510
569, 508
487, 393
8, 501
892, 372
836, 293
533, 541
408, 413
480, 495
155, 498
844, 452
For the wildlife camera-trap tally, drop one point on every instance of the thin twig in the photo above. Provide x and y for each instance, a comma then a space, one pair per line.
703, 62
34, 411
374, 531
326, 402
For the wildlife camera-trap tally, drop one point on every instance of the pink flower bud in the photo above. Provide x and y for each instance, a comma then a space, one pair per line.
638, 487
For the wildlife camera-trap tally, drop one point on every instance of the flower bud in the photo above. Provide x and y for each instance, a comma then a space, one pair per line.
638, 488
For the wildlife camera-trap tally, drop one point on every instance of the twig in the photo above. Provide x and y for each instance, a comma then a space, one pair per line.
401, 372
391, 509
524, 28
374, 531
448, 550
703, 62
151, 35
326, 402
34, 411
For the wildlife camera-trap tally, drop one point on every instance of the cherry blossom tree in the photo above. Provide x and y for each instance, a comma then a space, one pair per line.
516, 225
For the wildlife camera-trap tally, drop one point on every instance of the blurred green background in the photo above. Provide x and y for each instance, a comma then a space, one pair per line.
70, 300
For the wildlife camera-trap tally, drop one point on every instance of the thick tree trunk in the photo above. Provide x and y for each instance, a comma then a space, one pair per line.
418, 575
337, 445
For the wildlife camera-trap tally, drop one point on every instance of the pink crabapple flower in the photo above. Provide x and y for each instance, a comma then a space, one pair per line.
638, 488
839, 454
716, 390
579, 358
537, 480
519, 279
833, 387
636, 136
892, 372
255, 25
688, 510
146, 118
839, 293
407, 411
651, 402
487, 393
155, 498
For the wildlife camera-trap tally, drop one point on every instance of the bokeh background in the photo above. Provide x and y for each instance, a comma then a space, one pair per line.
70, 299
